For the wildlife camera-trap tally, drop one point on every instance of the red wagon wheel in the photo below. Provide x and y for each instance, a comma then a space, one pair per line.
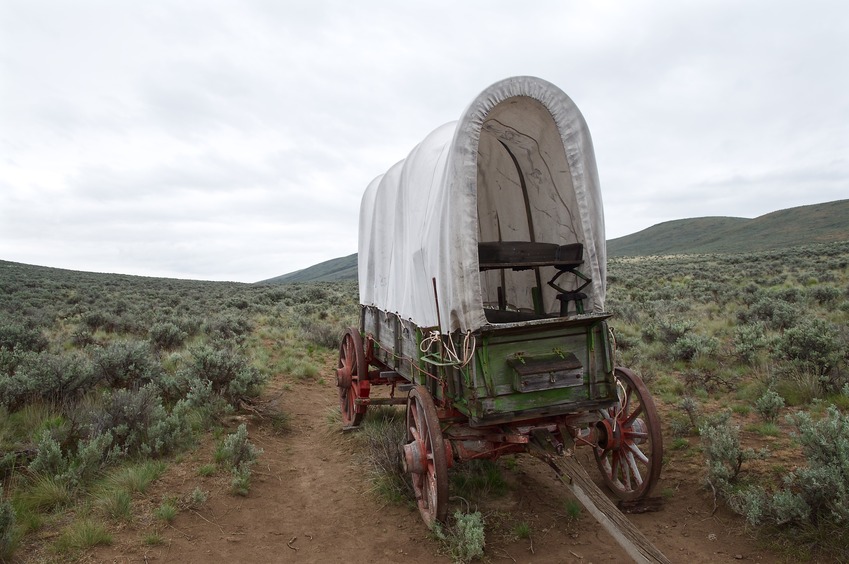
424, 457
629, 451
352, 378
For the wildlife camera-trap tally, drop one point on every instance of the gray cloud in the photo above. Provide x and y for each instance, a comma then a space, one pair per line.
233, 140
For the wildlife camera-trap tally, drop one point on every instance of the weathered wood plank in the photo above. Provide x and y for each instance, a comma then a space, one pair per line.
573, 474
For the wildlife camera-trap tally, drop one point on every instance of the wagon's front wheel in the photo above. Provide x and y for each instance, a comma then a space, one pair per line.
352, 378
629, 451
424, 456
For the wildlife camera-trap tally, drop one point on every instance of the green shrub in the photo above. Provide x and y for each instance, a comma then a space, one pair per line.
723, 453
680, 425
465, 539
824, 483
198, 497
9, 362
139, 423
95, 320
93, 454
625, 311
322, 333
125, 364
72, 468
82, 338
690, 407
203, 402
239, 454
769, 405
49, 460
816, 494
240, 484
776, 313
228, 327
53, 378
824, 295
667, 331
748, 341
236, 450
229, 373
814, 344
8, 534
688, 347
166, 335
23, 338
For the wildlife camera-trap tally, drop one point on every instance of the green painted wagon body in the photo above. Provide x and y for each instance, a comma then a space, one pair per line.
519, 371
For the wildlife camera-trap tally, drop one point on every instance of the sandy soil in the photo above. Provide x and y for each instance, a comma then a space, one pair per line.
310, 502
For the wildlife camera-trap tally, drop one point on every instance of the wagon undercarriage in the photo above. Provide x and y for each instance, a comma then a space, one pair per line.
619, 421
623, 433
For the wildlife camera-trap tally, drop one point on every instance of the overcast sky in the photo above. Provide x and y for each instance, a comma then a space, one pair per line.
222, 140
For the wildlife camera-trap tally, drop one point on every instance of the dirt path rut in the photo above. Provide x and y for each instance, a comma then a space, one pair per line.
310, 502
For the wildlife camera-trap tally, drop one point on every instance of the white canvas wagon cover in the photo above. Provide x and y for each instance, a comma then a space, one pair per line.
517, 166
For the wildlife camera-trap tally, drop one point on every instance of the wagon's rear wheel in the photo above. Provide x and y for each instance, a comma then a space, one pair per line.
629, 451
424, 456
352, 378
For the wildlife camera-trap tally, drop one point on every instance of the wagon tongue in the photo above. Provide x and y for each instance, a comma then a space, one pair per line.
543, 445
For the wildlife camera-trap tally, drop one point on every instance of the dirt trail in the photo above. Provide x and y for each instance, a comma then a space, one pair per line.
310, 502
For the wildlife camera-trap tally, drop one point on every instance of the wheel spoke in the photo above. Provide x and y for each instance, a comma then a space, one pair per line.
635, 450
633, 416
638, 478
614, 460
631, 458
626, 470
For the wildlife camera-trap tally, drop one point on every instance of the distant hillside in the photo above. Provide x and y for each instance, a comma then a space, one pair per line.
818, 223
344, 268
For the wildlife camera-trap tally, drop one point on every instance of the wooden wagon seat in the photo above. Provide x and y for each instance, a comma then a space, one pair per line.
524, 255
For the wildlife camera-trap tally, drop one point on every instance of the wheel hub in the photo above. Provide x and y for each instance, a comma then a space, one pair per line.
608, 439
414, 459
343, 377
614, 439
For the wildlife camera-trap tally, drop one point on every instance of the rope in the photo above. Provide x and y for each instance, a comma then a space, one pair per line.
468, 348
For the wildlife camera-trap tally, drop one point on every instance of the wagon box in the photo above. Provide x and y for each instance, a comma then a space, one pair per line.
482, 277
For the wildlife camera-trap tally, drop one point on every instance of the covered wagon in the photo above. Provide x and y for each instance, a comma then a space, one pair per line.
482, 272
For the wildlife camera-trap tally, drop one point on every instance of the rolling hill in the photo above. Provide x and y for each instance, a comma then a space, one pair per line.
803, 225
344, 268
